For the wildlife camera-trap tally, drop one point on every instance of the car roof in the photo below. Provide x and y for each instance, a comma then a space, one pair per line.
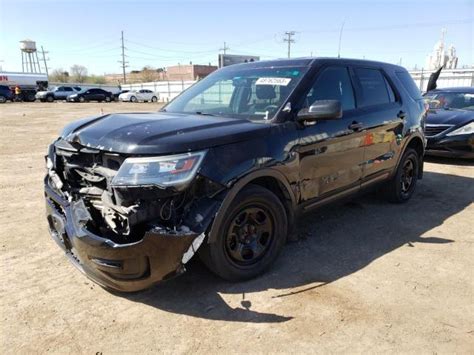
465, 89
313, 61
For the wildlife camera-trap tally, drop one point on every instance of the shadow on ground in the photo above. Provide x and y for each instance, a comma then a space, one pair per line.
334, 242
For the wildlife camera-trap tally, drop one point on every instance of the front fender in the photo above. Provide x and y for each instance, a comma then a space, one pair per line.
238, 186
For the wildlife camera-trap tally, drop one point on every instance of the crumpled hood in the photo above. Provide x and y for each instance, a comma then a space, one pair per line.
452, 117
160, 133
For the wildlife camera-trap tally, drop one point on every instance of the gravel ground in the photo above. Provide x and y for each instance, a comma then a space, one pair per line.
365, 276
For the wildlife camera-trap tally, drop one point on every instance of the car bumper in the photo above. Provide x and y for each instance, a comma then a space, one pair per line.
159, 255
461, 146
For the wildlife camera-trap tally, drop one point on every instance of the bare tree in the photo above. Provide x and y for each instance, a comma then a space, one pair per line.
148, 74
79, 73
59, 75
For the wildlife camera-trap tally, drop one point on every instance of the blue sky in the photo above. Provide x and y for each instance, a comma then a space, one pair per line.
161, 33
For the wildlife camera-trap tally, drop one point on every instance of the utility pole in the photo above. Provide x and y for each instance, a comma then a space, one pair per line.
340, 39
44, 60
224, 51
123, 62
290, 40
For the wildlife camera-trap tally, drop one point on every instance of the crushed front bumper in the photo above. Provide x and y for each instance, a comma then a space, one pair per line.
159, 255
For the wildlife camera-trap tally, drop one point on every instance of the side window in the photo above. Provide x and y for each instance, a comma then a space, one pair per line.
409, 84
373, 86
61, 88
334, 83
391, 93
67, 89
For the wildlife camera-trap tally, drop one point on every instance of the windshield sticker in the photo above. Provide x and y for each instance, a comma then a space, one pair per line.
273, 81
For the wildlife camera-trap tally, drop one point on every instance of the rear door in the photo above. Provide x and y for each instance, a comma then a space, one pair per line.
65, 93
382, 119
331, 152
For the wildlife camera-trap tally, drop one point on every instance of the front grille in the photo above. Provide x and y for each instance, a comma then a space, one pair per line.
432, 130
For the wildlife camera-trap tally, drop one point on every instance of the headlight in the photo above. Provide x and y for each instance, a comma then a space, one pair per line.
171, 170
466, 129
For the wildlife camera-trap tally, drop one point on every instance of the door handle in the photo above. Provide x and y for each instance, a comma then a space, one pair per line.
402, 115
355, 126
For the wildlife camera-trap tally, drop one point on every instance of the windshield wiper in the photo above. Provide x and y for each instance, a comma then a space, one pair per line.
204, 113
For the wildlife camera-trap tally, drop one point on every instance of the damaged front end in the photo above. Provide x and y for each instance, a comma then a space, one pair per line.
127, 222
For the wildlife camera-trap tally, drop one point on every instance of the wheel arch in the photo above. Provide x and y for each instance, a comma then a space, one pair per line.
270, 179
416, 142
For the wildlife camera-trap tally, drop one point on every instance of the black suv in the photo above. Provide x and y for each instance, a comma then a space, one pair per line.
5, 94
228, 165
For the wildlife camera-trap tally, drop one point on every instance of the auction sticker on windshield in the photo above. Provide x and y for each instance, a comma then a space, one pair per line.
273, 81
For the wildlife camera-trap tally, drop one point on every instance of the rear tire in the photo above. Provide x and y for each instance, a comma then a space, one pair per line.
81, 99
3, 99
154, 99
250, 236
107, 99
133, 99
402, 186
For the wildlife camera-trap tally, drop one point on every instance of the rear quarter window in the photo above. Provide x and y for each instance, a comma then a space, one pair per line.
409, 85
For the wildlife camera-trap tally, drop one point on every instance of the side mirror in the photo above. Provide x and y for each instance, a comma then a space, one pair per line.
321, 110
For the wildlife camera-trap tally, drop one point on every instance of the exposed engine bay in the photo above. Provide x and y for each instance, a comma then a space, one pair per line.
124, 214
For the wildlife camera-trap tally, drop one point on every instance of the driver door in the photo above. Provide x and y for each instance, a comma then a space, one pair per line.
331, 151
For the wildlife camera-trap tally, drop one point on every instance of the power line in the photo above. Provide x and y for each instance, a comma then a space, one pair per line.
123, 62
290, 40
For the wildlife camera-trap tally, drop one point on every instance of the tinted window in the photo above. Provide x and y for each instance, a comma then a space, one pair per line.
374, 90
333, 83
409, 84
391, 93
67, 89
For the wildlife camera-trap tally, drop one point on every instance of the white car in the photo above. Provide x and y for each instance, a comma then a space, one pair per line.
139, 95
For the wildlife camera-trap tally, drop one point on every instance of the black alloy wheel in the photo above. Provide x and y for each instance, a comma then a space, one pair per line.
250, 235
402, 186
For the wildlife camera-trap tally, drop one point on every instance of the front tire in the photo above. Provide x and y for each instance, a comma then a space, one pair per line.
81, 99
107, 99
50, 98
250, 236
402, 186
3, 99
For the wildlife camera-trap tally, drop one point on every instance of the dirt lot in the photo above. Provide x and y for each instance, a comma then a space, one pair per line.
366, 276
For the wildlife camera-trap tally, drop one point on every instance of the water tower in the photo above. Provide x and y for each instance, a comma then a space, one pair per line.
29, 57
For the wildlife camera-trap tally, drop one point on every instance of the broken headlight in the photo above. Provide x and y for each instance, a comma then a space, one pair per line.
171, 170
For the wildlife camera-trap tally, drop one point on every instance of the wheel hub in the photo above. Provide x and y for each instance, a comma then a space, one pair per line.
249, 235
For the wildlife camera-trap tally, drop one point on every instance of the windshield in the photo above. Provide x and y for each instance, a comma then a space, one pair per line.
242, 92
448, 100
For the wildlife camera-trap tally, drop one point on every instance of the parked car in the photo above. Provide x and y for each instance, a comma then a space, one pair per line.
227, 167
91, 95
5, 94
57, 93
139, 95
118, 93
450, 123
